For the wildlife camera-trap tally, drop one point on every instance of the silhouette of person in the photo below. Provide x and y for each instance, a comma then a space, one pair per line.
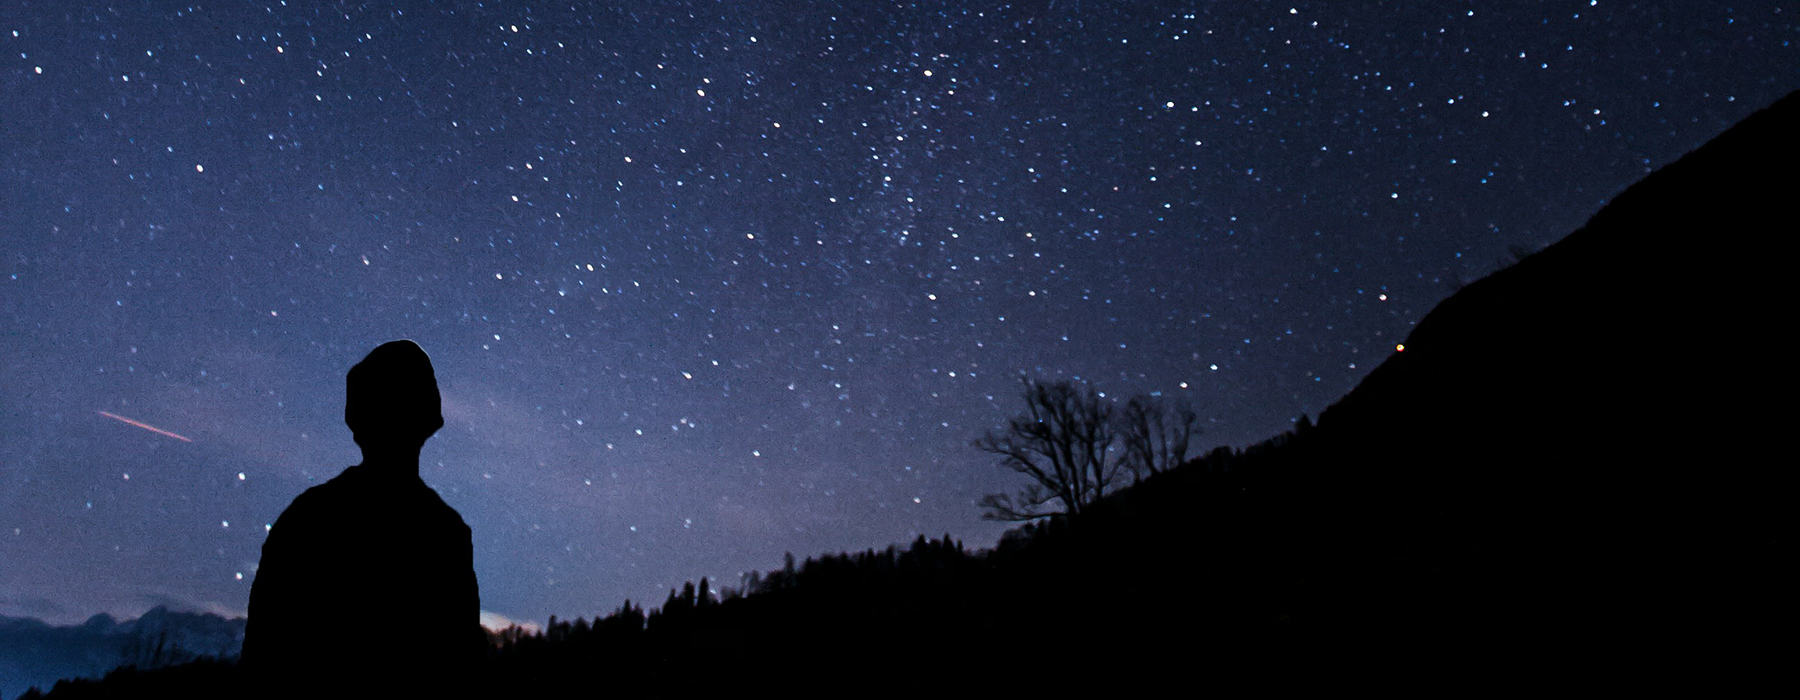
367, 584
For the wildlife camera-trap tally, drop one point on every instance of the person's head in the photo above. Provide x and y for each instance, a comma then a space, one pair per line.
391, 398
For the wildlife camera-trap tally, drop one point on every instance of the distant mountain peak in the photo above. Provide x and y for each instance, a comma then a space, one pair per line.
101, 623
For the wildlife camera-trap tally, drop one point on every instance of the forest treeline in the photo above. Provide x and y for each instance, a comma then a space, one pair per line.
1106, 587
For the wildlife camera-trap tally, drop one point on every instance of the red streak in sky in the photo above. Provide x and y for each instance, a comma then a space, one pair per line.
146, 426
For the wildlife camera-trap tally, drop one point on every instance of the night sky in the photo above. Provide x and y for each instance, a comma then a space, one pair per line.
707, 282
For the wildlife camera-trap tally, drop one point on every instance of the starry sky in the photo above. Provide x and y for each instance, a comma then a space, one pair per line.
706, 282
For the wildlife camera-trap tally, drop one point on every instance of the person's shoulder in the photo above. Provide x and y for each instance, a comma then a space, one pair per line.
432, 501
320, 496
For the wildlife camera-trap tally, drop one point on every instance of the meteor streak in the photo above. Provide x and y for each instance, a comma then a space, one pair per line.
146, 426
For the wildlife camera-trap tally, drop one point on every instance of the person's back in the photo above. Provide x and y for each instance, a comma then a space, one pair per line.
366, 584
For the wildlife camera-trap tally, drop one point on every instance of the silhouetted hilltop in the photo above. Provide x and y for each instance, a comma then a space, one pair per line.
1578, 451
1569, 476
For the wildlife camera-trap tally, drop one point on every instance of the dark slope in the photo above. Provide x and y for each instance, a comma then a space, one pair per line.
1583, 451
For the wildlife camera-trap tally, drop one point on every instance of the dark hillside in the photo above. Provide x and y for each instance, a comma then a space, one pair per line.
1579, 454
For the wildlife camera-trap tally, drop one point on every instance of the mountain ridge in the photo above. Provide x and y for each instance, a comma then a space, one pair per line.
36, 653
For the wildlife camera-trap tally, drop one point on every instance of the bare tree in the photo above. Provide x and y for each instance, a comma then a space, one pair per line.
1155, 433
1063, 442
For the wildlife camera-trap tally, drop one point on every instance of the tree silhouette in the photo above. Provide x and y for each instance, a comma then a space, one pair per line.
1155, 434
1063, 442
705, 594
